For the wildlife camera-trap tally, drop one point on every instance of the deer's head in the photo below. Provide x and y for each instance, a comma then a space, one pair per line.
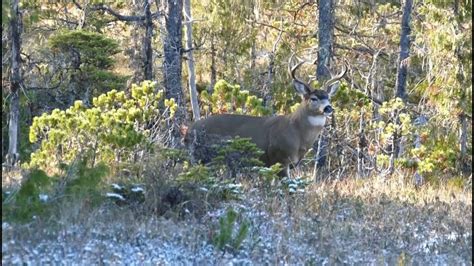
316, 101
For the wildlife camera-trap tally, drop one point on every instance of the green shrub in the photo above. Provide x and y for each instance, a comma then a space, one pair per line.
26, 203
227, 98
270, 174
113, 130
238, 155
205, 178
127, 194
90, 58
40, 194
226, 237
293, 185
83, 183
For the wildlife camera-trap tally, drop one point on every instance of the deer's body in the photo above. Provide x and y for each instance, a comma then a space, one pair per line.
284, 139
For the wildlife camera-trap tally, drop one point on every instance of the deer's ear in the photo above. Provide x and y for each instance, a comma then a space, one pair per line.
300, 88
333, 89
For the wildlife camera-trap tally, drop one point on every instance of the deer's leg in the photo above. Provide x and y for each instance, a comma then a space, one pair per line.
285, 172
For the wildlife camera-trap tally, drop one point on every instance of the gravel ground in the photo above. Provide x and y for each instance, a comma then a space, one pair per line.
282, 232
164, 242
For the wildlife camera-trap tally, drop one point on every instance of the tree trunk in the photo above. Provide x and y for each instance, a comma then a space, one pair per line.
15, 79
253, 56
267, 87
213, 67
172, 64
463, 144
191, 71
456, 7
361, 146
400, 85
147, 48
463, 101
326, 31
404, 52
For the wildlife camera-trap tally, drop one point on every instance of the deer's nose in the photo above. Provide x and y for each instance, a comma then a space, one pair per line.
328, 109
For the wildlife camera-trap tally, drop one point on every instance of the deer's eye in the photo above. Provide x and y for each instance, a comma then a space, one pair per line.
313, 99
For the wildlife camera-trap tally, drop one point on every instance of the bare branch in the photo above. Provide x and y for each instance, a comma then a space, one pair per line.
361, 49
265, 25
102, 7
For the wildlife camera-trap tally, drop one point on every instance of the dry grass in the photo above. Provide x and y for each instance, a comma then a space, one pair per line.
361, 221
374, 220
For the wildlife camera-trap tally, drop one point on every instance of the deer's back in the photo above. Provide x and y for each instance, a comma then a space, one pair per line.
229, 125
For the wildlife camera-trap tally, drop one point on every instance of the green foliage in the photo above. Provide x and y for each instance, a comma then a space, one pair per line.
39, 192
6, 12
238, 155
393, 121
437, 154
175, 155
227, 98
127, 194
445, 43
226, 237
26, 202
457, 183
270, 174
294, 185
346, 97
196, 174
84, 182
90, 56
112, 130
95, 49
250, 45
206, 178
225, 23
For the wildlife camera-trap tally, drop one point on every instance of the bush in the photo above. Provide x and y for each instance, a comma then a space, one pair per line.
115, 129
229, 236
27, 203
227, 98
238, 155
90, 57
40, 194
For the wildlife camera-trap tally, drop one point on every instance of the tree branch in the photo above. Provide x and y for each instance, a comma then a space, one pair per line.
265, 24
102, 7
361, 49
360, 89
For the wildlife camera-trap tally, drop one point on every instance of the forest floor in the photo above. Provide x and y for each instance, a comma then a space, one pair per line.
370, 221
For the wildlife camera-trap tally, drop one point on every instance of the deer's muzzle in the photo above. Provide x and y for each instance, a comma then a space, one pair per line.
328, 110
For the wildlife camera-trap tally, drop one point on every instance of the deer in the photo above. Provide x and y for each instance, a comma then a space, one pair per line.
284, 139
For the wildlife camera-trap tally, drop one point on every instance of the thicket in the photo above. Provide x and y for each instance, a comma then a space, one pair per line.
40, 195
113, 130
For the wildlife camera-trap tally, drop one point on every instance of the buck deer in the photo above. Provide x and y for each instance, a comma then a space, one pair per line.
284, 139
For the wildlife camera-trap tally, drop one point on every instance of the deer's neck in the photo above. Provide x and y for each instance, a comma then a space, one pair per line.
306, 119
308, 125
317, 120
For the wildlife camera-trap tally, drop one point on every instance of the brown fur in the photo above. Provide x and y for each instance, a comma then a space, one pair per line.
284, 139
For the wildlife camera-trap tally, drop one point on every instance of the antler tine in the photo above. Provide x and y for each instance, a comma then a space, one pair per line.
311, 79
294, 68
336, 78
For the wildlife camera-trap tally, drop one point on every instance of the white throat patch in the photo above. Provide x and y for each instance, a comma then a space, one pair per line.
318, 120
